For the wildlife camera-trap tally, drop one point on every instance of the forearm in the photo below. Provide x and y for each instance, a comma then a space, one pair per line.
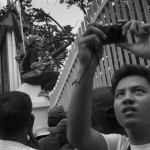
79, 113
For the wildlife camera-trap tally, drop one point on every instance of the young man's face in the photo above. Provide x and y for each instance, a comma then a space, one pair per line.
132, 102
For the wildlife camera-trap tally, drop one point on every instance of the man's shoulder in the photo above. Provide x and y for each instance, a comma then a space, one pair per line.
116, 141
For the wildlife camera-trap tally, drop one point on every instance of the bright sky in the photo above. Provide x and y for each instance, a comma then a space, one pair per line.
72, 16
60, 12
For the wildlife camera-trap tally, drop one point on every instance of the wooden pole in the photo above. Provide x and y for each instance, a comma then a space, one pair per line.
22, 34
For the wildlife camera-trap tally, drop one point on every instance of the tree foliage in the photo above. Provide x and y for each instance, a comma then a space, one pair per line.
55, 38
82, 4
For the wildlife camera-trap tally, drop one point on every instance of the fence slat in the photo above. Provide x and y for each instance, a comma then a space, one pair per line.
131, 9
91, 10
107, 69
117, 10
103, 73
146, 10
83, 27
138, 10
139, 16
132, 15
99, 76
85, 21
95, 5
110, 60
125, 17
112, 13
89, 16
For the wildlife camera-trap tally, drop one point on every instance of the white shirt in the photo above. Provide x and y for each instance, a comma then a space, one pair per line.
119, 142
12, 145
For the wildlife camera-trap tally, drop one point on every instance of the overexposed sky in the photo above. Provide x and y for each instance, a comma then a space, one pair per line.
72, 16
60, 12
2, 3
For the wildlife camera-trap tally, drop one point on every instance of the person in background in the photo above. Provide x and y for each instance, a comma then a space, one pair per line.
56, 114
130, 88
103, 116
16, 122
60, 131
33, 70
51, 141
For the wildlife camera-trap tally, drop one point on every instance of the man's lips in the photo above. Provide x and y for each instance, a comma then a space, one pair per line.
128, 109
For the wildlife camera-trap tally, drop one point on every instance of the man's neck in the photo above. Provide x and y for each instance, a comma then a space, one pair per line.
139, 137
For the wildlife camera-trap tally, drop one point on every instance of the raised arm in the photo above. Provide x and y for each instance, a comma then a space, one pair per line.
79, 130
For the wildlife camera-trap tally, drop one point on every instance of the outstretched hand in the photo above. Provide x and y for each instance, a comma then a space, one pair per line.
90, 46
141, 31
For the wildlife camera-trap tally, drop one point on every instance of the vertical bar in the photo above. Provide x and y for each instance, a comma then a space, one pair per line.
80, 32
91, 10
125, 17
132, 15
103, 73
95, 5
112, 14
99, 76
138, 10
89, 15
117, 9
139, 15
85, 21
110, 60
131, 9
107, 69
83, 27
146, 10
22, 34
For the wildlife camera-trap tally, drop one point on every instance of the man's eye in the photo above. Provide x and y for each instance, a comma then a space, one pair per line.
139, 91
119, 94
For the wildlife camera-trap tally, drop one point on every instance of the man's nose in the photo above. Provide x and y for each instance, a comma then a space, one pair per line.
128, 98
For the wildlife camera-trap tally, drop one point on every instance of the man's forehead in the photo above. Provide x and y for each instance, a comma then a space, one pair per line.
134, 80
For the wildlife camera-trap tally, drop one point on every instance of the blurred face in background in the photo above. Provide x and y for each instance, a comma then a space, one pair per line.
38, 44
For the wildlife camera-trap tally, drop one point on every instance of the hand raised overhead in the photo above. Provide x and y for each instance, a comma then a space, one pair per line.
90, 45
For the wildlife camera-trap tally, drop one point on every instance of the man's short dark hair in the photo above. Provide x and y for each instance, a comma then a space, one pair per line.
129, 70
15, 112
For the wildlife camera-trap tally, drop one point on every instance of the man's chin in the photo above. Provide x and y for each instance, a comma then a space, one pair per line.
130, 123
